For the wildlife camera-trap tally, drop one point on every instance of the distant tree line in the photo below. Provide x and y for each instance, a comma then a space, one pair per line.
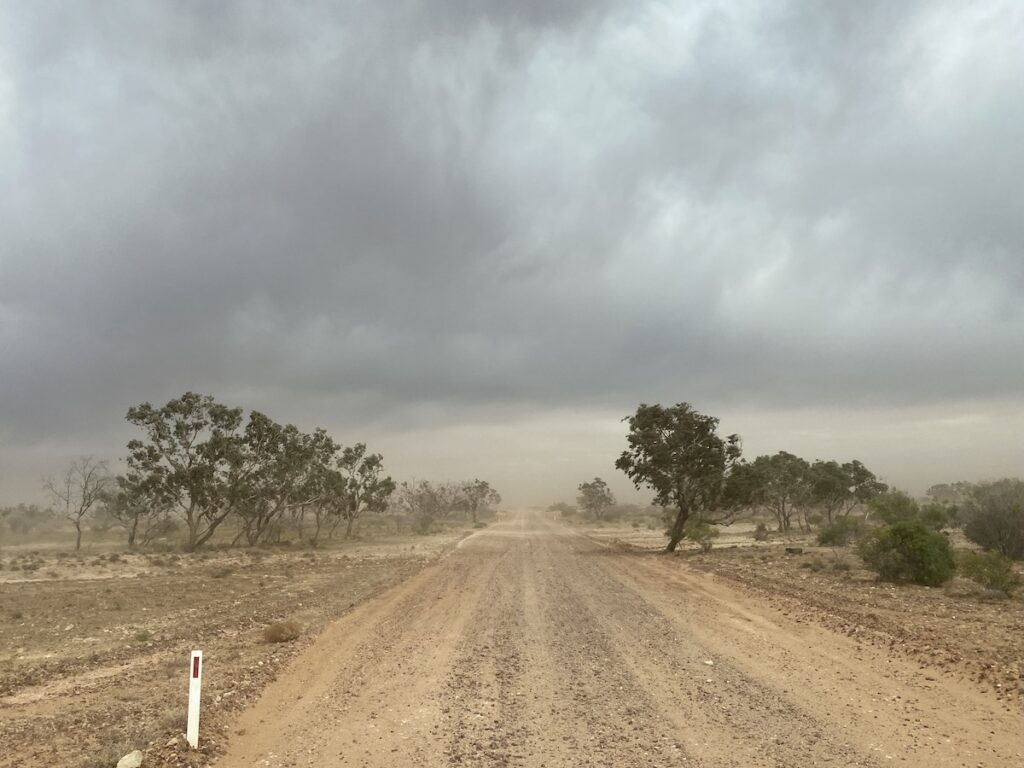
700, 479
199, 467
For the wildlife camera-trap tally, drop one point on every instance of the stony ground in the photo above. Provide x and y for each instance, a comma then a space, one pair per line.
94, 648
529, 643
960, 630
535, 644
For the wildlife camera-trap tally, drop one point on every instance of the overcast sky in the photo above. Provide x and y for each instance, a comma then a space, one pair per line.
476, 234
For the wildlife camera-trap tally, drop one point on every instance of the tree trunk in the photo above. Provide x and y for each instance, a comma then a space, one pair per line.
675, 534
78, 535
132, 531
348, 528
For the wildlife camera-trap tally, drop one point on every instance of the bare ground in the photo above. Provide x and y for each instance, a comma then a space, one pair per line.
534, 645
94, 648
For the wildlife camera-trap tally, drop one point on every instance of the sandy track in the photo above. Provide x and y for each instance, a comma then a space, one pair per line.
531, 645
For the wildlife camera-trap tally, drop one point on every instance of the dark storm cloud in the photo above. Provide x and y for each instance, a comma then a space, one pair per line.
386, 206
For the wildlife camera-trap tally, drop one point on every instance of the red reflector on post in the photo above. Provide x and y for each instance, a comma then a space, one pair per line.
195, 666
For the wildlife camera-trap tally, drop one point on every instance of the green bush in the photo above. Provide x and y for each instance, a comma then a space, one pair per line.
994, 517
761, 532
992, 570
703, 534
909, 551
894, 507
935, 516
842, 532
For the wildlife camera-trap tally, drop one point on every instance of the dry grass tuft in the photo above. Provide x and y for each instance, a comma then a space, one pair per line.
282, 632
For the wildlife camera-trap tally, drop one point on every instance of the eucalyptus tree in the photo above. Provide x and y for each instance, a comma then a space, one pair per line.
478, 494
426, 502
781, 483
595, 498
193, 458
840, 488
280, 458
994, 516
139, 505
677, 452
322, 489
366, 487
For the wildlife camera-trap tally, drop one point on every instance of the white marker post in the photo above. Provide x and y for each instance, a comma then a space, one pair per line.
195, 684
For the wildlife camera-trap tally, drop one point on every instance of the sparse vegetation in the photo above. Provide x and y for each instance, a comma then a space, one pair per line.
843, 532
282, 632
909, 551
994, 517
82, 485
595, 498
703, 535
991, 570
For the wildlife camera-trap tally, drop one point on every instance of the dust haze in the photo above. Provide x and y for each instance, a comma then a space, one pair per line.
511, 384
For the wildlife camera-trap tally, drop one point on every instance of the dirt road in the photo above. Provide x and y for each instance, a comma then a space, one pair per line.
532, 645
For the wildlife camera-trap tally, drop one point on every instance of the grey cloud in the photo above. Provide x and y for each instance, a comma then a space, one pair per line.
460, 206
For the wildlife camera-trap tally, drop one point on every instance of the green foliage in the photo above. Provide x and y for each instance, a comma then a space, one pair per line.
677, 453
702, 534
196, 460
842, 532
595, 498
994, 517
838, 488
992, 570
478, 495
950, 494
190, 460
909, 551
935, 516
894, 506
366, 488
781, 483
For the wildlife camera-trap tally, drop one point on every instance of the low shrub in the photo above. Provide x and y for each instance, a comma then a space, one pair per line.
761, 532
935, 516
994, 517
991, 570
842, 532
703, 535
909, 551
814, 565
282, 632
894, 507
